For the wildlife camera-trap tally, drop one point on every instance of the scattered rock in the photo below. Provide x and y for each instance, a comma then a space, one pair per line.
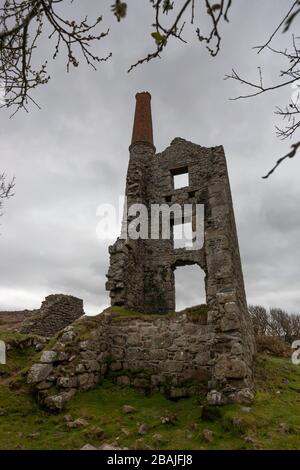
170, 419
128, 409
283, 428
158, 438
245, 409
94, 432
19, 447
88, 447
125, 431
68, 418
78, 423
106, 446
143, 429
252, 441
56, 402
208, 435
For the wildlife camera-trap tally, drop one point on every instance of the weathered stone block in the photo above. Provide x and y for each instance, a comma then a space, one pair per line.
115, 366
48, 357
67, 382
230, 368
38, 373
123, 380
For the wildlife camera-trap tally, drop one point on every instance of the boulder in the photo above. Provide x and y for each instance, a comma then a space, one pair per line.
57, 402
128, 409
38, 373
230, 368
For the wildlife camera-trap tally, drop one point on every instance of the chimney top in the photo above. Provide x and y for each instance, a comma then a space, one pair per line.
142, 128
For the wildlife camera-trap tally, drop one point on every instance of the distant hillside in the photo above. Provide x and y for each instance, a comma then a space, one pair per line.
11, 320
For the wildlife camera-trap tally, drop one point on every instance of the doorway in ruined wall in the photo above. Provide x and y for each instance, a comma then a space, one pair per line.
190, 289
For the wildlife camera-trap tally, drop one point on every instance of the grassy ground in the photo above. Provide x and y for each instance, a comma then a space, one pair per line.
193, 313
273, 422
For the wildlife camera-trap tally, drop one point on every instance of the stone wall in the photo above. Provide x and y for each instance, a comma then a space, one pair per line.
166, 353
57, 311
141, 272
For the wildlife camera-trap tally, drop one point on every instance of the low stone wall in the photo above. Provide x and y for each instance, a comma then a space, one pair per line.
57, 311
166, 353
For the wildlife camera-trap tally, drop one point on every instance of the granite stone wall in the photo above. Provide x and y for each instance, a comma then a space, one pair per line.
171, 354
158, 349
56, 312
141, 272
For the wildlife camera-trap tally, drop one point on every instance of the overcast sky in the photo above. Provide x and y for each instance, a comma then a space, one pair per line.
72, 155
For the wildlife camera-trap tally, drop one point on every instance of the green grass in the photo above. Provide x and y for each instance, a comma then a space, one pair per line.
15, 337
18, 358
193, 313
272, 423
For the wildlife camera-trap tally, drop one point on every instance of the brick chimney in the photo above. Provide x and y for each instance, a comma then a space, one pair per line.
142, 128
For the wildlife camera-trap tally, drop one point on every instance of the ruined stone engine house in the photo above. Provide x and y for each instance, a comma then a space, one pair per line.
140, 340
141, 272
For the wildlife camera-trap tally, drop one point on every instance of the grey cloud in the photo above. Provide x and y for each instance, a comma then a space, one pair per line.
72, 155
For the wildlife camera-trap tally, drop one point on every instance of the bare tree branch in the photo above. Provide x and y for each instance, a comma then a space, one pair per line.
22, 23
162, 33
289, 76
216, 12
6, 189
21, 26
284, 20
290, 154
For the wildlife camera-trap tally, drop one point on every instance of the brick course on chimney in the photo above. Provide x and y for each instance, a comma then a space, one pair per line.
142, 127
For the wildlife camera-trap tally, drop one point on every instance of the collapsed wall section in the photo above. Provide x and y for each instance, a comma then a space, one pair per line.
56, 312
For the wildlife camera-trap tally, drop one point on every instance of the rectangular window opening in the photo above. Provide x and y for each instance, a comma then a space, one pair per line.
180, 177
